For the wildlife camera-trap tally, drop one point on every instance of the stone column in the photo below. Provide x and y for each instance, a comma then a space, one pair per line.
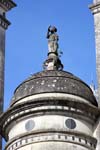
95, 8
5, 5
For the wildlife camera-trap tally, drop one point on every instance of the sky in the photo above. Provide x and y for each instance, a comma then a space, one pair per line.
26, 43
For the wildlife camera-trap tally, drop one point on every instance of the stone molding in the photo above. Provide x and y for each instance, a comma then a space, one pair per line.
95, 8
50, 96
54, 136
7, 4
85, 112
4, 23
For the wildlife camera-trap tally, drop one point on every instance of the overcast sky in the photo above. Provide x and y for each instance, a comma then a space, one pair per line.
26, 43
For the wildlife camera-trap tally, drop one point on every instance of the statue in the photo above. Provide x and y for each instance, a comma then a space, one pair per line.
52, 39
53, 62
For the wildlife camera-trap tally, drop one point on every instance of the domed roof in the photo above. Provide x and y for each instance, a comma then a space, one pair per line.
54, 81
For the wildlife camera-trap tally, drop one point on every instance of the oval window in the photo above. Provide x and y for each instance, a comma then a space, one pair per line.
70, 123
29, 125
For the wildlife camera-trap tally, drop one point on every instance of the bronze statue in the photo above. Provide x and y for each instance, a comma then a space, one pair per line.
52, 39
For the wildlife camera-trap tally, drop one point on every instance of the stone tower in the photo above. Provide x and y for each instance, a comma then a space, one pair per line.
51, 110
95, 8
5, 5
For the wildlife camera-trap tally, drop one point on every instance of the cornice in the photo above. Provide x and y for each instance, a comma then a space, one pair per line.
79, 110
4, 23
54, 136
95, 8
7, 4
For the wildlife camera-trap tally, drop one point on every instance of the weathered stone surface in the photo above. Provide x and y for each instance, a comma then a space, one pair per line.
96, 1
49, 113
95, 8
52, 146
2, 62
51, 110
5, 5
54, 81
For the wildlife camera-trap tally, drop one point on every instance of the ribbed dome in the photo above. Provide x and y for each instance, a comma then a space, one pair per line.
51, 81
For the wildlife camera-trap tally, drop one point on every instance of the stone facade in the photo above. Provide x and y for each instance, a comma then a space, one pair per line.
4, 23
53, 115
95, 8
96, 1
2, 62
51, 110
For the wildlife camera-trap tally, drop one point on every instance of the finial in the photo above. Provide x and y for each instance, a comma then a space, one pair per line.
53, 62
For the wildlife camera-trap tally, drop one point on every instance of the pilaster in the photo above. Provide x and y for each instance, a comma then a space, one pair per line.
5, 5
95, 9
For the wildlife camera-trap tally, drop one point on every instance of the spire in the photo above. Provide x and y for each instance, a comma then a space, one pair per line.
53, 61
